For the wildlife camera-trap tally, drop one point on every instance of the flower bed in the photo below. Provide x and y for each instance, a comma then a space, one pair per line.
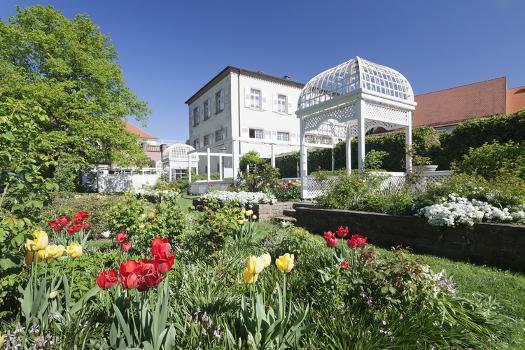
487, 243
242, 198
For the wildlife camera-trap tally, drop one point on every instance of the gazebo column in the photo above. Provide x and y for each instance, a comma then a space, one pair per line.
235, 158
348, 147
273, 155
189, 167
220, 167
304, 162
361, 143
333, 159
408, 143
208, 170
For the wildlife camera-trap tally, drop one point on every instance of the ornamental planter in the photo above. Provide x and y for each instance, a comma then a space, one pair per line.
499, 245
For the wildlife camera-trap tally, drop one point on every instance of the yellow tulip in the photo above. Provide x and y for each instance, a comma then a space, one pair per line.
40, 242
248, 212
53, 294
285, 262
252, 270
55, 251
266, 259
240, 221
254, 217
41, 255
74, 250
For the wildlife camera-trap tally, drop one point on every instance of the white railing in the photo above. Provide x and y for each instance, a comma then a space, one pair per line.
313, 187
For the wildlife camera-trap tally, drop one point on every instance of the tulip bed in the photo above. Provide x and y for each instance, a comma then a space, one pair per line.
218, 280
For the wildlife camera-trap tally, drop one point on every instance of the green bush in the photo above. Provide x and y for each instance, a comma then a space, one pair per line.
429, 145
494, 160
362, 191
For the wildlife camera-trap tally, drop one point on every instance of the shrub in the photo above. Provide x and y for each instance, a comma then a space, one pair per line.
494, 160
362, 191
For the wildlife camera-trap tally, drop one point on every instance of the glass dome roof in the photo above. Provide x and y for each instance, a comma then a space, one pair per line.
352, 75
178, 151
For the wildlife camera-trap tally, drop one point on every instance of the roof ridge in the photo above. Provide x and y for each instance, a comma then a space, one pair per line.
463, 85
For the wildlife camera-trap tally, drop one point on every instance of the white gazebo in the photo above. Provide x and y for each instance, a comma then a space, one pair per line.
349, 100
177, 161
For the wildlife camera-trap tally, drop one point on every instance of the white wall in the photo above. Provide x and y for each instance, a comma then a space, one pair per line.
237, 91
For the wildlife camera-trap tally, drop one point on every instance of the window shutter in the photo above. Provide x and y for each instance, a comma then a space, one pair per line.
290, 108
209, 107
264, 101
245, 132
274, 135
246, 97
293, 137
222, 99
275, 102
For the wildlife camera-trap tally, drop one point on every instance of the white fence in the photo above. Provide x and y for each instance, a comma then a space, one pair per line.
313, 187
126, 179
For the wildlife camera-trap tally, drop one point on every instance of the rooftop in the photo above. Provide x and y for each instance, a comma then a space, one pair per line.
246, 72
139, 132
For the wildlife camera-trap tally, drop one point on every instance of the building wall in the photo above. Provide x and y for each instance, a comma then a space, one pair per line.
457, 104
515, 99
239, 117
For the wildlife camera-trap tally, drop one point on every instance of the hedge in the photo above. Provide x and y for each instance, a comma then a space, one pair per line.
443, 148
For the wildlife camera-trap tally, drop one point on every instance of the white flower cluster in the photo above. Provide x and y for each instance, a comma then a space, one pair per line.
455, 210
442, 283
243, 198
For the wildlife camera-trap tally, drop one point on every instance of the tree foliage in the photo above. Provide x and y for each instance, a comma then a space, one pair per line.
62, 99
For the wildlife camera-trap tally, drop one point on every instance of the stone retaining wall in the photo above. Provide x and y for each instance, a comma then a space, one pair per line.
501, 245
264, 212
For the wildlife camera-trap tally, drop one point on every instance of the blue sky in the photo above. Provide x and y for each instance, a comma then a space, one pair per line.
169, 49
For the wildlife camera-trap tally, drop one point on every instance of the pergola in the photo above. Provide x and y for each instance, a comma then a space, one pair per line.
177, 161
349, 100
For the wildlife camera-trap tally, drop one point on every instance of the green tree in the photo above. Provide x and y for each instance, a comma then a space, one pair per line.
61, 77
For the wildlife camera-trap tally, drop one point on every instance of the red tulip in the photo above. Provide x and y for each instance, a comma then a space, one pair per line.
121, 237
74, 228
150, 276
343, 264
126, 246
129, 273
80, 216
63, 220
160, 246
342, 231
331, 240
357, 241
107, 278
55, 225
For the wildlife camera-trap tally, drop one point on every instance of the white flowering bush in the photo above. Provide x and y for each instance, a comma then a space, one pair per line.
242, 198
455, 210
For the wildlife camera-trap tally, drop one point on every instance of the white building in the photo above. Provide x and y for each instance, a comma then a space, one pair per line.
240, 110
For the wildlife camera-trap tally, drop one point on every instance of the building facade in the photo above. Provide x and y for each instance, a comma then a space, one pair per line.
446, 108
240, 111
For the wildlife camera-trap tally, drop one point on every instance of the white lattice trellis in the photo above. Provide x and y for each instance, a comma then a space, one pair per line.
350, 99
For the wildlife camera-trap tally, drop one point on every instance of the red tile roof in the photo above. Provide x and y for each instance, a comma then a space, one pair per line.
515, 99
139, 132
454, 105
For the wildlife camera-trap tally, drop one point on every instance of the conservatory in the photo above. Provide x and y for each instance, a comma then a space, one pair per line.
350, 100
176, 161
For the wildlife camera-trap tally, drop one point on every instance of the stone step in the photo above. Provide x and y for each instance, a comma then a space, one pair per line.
289, 213
304, 205
285, 219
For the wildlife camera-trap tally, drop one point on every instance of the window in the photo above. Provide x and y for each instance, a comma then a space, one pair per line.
310, 138
219, 101
196, 116
282, 104
283, 136
206, 110
256, 134
219, 135
255, 98
206, 140
196, 144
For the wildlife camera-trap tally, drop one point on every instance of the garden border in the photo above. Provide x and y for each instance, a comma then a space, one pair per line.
501, 245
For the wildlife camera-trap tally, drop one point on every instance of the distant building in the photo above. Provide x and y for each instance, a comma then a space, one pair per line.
150, 143
444, 109
241, 110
